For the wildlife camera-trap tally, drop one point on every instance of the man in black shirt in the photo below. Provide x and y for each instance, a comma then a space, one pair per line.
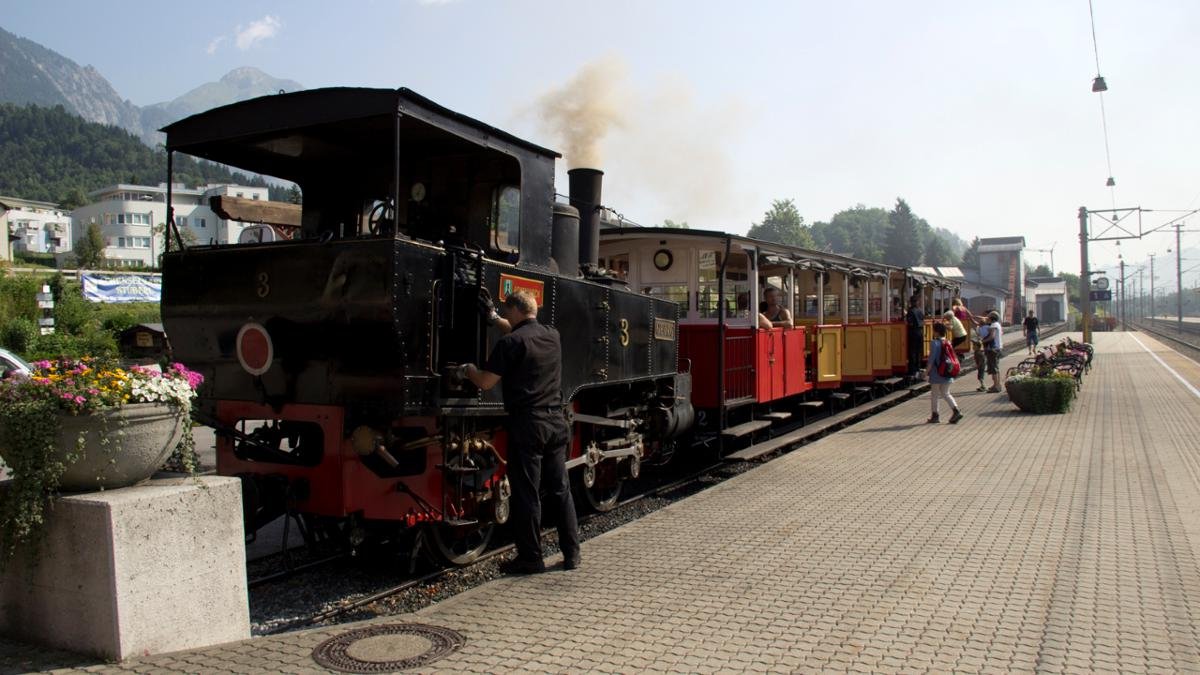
914, 319
1031, 332
527, 362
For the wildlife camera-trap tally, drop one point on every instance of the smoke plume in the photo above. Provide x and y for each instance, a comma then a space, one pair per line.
665, 153
582, 111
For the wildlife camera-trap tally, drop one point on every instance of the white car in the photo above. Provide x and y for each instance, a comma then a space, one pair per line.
11, 364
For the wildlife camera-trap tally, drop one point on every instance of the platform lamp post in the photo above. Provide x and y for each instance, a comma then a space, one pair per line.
1152, 314
1121, 295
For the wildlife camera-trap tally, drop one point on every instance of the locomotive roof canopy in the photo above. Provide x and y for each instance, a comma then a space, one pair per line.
341, 123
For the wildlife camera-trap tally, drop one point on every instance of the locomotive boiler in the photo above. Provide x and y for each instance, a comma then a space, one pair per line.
327, 346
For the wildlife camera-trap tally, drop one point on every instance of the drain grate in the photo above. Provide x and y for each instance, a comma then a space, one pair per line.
387, 647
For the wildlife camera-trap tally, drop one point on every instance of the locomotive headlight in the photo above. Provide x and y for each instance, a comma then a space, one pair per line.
365, 440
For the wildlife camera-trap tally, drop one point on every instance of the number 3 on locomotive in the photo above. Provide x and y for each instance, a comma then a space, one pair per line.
624, 333
264, 285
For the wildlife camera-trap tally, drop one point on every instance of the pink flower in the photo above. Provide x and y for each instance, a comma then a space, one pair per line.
80, 400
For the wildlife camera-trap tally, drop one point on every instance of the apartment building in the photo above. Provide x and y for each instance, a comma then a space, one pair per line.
131, 218
34, 227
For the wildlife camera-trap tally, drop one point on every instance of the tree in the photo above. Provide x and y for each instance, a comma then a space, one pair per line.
904, 245
858, 232
1042, 270
1072, 287
937, 252
89, 250
73, 199
680, 225
783, 224
294, 195
970, 258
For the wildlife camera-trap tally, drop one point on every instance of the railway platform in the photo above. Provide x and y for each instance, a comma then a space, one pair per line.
1008, 542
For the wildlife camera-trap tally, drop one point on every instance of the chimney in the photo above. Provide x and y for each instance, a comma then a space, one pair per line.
585, 196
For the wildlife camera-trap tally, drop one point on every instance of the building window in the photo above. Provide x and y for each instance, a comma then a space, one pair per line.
181, 221
200, 222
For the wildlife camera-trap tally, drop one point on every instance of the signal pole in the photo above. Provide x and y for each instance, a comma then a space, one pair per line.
1178, 280
1085, 281
1152, 314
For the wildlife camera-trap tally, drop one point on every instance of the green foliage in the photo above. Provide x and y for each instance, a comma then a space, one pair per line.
783, 224
18, 297
970, 257
19, 335
89, 250
294, 195
858, 232
35, 259
905, 245
1072, 287
937, 253
1042, 270
50, 154
28, 440
1052, 394
680, 225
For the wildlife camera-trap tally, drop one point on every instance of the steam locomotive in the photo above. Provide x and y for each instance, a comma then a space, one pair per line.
327, 347
327, 337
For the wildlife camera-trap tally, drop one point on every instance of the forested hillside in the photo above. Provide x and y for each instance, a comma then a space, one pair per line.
49, 154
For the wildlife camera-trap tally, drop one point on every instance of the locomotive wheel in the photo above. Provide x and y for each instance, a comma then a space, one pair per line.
459, 546
604, 492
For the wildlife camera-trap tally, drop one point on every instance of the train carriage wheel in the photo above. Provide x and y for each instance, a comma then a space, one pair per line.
460, 545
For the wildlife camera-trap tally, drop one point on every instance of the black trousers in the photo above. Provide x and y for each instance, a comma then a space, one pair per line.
537, 456
915, 347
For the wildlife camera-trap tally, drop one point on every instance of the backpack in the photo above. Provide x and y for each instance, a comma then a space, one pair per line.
948, 365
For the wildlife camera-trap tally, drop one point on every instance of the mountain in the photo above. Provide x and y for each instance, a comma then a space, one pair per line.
238, 84
51, 154
31, 73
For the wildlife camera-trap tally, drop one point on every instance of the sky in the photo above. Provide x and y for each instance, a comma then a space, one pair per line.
979, 115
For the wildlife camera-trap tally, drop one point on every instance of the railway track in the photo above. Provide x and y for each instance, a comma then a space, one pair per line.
435, 585
1187, 344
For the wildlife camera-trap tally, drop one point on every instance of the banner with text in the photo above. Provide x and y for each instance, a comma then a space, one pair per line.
116, 288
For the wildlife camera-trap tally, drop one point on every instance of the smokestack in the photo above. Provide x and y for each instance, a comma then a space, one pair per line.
585, 196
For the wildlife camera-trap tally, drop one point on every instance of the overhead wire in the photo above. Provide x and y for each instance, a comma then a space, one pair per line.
1103, 113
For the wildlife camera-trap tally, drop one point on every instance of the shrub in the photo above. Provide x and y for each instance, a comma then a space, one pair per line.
19, 335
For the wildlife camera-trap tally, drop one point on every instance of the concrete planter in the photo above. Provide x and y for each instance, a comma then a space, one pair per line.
140, 437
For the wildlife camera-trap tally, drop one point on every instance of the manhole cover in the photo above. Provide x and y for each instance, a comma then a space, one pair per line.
387, 647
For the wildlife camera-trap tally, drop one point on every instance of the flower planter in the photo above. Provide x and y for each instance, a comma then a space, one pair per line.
1041, 395
120, 447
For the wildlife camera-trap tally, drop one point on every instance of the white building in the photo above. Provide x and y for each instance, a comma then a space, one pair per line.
34, 227
1047, 297
132, 218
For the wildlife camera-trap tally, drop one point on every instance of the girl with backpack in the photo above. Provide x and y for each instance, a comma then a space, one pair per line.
943, 366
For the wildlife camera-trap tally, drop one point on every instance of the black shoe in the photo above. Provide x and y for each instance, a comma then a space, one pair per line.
956, 416
570, 564
517, 566
933, 419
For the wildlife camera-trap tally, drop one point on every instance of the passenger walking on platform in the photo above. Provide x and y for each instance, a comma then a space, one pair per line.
939, 385
914, 320
993, 344
527, 362
1031, 332
958, 334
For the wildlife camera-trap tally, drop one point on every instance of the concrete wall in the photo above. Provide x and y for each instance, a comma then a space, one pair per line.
153, 568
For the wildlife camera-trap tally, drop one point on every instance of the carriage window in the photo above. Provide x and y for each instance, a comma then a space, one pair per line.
677, 293
737, 286
506, 219
618, 264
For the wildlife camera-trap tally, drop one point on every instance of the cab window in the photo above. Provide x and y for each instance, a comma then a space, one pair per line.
506, 219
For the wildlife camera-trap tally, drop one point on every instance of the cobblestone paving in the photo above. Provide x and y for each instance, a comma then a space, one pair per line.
1006, 543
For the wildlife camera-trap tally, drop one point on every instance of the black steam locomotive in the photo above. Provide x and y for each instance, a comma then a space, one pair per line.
327, 344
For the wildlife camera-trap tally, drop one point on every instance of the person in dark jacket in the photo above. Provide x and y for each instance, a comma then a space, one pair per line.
914, 320
527, 362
